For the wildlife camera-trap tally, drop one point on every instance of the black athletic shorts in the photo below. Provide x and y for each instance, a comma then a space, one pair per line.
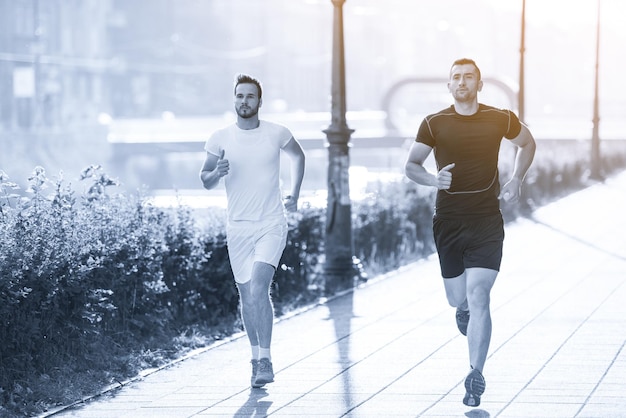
464, 243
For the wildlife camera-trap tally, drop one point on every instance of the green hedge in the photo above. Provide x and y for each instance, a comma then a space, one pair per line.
98, 284
88, 282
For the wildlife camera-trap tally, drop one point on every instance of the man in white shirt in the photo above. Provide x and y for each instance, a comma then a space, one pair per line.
247, 155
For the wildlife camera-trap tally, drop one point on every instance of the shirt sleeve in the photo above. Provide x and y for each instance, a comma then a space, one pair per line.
425, 134
213, 145
515, 126
284, 136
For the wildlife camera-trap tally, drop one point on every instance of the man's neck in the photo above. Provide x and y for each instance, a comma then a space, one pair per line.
466, 108
248, 123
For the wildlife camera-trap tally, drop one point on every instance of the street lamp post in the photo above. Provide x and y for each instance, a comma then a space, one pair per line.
338, 265
522, 50
596, 171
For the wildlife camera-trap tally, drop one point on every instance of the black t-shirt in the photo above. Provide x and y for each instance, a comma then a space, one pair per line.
472, 143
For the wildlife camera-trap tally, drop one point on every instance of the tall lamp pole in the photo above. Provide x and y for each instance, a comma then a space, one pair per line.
338, 245
596, 171
522, 50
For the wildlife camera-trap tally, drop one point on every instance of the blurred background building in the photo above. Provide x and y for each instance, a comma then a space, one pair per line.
136, 85
53, 63
67, 62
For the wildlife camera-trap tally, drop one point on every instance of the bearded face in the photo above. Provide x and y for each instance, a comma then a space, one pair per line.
247, 101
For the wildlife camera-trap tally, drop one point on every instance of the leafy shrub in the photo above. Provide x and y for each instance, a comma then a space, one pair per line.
561, 167
392, 225
299, 279
82, 275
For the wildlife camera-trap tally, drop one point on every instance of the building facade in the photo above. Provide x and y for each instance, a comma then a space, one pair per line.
67, 63
53, 63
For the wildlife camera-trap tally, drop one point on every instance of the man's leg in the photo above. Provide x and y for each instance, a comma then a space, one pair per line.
262, 275
247, 312
456, 291
257, 313
250, 325
479, 284
471, 290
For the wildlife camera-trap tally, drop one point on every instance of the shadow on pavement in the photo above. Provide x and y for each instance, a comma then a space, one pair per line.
254, 406
341, 313
477, 413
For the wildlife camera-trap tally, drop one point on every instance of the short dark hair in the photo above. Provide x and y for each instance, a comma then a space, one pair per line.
247, 79
463, 61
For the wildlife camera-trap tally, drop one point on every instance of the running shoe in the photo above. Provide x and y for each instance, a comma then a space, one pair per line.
474, 386
255, 368
265, 373
462, 319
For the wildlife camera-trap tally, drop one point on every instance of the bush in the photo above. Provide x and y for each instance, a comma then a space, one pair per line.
299, 280
81, 276
392, 226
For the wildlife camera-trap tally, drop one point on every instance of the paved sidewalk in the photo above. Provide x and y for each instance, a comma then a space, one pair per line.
391, 347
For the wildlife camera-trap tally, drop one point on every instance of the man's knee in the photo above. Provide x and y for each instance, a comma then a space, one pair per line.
456, 290
479, 284
479, 296
245, 294
262, 275
259, 291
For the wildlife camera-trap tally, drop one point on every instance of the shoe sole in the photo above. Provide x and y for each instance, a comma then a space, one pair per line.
474, 391
261, 382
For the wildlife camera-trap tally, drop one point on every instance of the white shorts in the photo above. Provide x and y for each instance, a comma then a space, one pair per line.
251, 241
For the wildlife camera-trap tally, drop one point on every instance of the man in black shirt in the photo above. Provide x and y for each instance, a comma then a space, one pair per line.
467, 225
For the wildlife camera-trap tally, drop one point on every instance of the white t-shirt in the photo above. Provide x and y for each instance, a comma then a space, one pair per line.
253, 181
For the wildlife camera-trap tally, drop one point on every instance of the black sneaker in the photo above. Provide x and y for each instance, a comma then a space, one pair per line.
264, 374
462, 319
474, 386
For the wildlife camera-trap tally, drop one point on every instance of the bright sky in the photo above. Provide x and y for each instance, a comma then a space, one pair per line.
569, 14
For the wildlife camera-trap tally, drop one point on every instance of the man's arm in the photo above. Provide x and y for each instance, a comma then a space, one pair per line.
415, 171
296, 154
213, 169
524, 156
